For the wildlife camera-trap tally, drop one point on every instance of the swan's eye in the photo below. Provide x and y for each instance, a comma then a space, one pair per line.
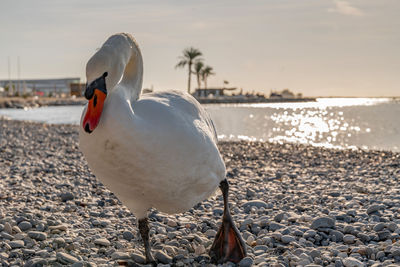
95, 101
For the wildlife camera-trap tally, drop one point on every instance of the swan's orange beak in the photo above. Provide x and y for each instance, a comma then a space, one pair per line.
94, 110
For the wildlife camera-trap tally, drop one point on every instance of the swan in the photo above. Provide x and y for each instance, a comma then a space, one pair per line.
156, 150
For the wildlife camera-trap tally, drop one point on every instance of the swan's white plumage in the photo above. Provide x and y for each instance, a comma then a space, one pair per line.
157, 150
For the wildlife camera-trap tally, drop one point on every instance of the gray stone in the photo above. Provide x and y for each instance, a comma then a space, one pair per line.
383, 235
352, 262
309, 233
162, 257
66, 258
40, 236
28, 251
374, 208
36, 262
395, 251
255, 203
246, 262
24, 225
127, 235
16, 244
8, 228
66, 196
138, 258
119, 255
6, 235
348, 229
380, 255
392, 226
338, 235
323, 222
279, 217
379, 227
315, 253
275, 226
210, 233
286, 239
349, 239
102, 242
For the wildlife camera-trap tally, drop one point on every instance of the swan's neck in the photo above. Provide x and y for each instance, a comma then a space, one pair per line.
120, 56
130, 84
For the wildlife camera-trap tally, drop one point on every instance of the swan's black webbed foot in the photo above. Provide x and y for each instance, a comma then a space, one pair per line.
228, 244
144, 233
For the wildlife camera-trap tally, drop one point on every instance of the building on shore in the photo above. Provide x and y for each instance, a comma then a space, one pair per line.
41, 87
284, 94
211, 92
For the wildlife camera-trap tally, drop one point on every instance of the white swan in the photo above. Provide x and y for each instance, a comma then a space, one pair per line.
154, 150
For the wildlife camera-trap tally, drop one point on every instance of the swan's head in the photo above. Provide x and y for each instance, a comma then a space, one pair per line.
96, 93
102, 74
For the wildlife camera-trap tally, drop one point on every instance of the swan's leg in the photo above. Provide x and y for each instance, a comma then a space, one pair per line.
144, 232
228, 244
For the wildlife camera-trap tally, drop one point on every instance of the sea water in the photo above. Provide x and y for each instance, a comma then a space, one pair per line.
366, 123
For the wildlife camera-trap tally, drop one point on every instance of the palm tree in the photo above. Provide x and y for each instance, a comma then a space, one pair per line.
189, 54
207, 71
198, 70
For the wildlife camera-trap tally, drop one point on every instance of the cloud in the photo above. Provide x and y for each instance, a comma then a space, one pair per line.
345, 8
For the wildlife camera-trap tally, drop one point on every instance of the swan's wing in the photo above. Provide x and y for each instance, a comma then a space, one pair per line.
183, 107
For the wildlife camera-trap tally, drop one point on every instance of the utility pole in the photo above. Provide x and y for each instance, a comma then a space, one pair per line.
18, 75
10, 87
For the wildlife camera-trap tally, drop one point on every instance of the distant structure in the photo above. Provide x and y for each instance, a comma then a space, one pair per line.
219, 96
211, 92
77, 89
41, 87
284, 94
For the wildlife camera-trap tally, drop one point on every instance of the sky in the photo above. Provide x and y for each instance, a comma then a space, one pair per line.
315, 47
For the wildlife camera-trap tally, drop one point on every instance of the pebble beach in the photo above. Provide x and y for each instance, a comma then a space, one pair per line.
295, 205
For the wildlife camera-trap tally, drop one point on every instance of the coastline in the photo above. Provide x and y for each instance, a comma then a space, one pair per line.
31, 102
294, 205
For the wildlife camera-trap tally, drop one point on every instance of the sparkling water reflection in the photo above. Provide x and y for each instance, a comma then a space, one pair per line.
367, 123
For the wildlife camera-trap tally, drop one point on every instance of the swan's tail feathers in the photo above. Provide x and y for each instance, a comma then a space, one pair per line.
228, 244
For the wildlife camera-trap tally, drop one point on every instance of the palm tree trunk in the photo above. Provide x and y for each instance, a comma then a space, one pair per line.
198, 81
205, 82
190, 74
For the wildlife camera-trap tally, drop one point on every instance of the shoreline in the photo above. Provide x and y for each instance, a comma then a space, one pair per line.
293, 204
32, 102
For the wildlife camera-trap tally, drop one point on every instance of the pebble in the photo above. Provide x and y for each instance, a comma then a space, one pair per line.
162, 257
246, 262
255, 203
352, 262
138, 258
286, 239
8, 228
349, 239
119, 255
322, 222
66, 196
24, 225
128, 235
102, 242
40, 236
16, 244
373, 208
210, 233
295, 205
66, 258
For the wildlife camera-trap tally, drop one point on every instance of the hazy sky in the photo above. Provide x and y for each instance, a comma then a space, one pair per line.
317, 47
